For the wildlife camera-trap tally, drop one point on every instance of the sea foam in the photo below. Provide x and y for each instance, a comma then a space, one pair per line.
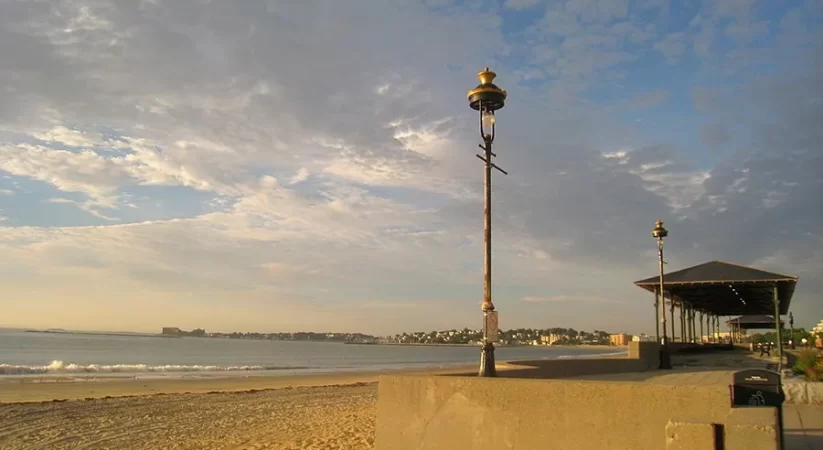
59, 367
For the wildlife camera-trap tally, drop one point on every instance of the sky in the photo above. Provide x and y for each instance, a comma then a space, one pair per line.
309, 165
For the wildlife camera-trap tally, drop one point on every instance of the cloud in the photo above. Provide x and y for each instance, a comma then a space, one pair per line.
672, 46
651, 98
72, 138
715, 134
566, 298
275, 166
746, 32
521, 4
300, 176
83, 171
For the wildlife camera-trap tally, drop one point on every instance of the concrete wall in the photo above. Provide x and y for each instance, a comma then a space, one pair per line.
803, 392
445, 412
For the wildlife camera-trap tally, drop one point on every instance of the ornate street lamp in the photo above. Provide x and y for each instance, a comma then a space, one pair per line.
487, 98
659, 233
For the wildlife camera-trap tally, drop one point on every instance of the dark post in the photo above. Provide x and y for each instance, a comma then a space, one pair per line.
665, 358
778, 327
487, 98
791, 329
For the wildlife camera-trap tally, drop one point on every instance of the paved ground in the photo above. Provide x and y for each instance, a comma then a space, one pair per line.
803, 427
802, 424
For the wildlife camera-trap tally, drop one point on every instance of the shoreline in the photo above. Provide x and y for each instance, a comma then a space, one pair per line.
60, 389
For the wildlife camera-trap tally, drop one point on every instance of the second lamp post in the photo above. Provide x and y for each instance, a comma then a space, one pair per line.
487, 98
665, 359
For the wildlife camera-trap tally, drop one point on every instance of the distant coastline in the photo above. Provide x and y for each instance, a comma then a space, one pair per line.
418, 344
101, 333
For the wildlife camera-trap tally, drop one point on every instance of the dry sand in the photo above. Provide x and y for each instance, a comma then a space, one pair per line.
339, 417
334, 411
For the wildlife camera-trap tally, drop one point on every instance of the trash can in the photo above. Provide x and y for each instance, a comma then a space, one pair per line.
759, 388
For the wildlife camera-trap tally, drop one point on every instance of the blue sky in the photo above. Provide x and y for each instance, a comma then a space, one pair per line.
278, 166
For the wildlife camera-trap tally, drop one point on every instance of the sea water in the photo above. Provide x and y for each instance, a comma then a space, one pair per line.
26, 354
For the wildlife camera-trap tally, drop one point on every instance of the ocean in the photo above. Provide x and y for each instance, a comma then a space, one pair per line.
24, 354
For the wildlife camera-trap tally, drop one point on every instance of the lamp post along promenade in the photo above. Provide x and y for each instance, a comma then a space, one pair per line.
487, 98
665, 359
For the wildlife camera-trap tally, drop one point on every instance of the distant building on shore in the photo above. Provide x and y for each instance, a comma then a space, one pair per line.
174, 331
620, 340
550, 339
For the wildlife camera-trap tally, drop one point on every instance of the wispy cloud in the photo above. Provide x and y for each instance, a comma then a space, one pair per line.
568, 299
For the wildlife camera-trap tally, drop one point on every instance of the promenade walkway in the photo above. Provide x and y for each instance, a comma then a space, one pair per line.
803, 424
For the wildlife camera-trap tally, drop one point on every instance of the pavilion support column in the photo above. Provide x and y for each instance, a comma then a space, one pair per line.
689, 323
671, 313
657, 299
693, 326
777, 327
708, 328
682, 322
700, 319
717, 329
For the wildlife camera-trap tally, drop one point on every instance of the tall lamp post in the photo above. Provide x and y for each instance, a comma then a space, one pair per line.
487, 98
659, 233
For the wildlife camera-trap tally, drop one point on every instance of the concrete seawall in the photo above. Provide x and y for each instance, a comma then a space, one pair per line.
420, 412
534, 404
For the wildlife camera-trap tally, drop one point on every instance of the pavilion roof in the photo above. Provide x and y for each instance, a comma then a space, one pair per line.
725, 289
753, 322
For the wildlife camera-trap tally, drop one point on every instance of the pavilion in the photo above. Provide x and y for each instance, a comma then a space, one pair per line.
716, 289
739, 325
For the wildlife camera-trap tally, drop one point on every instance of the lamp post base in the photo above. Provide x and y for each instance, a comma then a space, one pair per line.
665, 358
487, 368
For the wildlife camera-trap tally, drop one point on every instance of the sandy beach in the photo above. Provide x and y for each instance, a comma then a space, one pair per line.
329, 411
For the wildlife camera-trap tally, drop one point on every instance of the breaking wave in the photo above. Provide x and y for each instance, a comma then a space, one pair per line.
59, 367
